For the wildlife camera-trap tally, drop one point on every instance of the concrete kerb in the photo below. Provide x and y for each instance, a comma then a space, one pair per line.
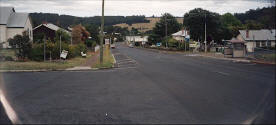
171, 52
234, 60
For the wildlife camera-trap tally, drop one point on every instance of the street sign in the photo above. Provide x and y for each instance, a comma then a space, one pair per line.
187, 39
158, 44
106, 41
64, 54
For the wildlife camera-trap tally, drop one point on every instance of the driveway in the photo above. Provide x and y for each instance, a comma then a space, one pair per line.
146, 87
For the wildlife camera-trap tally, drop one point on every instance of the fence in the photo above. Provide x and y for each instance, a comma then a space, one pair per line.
262, 54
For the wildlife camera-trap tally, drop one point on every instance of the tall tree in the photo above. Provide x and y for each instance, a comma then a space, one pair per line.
231, 23
79, 34
195, 22
264, 16
172, 25
94, 32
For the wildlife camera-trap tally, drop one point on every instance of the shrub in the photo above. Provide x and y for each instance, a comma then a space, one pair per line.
37, 51
22, 43
9, 58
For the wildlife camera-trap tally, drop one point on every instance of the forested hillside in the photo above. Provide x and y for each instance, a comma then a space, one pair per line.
264, 17
67, 20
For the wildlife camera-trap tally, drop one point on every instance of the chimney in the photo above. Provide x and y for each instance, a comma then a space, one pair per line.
44, 22
247, 33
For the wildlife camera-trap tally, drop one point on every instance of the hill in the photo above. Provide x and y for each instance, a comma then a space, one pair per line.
264, 16
67, 20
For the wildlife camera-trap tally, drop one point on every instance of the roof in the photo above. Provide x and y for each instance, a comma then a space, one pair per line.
181, 33
5, 13
51, 26
264, 34
236, 41
18, 20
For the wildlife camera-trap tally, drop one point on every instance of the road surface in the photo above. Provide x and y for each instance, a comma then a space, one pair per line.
147, 87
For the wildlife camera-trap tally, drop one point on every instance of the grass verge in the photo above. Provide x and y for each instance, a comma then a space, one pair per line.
108, 60
33, 65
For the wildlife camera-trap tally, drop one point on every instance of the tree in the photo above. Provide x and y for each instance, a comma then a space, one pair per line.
253, 25
172, 25
194, 21
64, 36
79, 34
154, 38
22, 43
94, 32
264, 16
134, 31
232, 24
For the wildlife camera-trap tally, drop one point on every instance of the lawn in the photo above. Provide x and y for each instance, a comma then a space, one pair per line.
270, 57
33, 65
108, 60
7, 52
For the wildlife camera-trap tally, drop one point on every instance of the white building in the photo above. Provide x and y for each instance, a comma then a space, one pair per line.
257, 38
13, 23
139, 39
181, 35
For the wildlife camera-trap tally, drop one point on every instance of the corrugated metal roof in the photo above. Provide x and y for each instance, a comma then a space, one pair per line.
17, 20
52, 27
5, 13
261, 35
181, 33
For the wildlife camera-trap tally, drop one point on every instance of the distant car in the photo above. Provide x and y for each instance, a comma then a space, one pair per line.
131, 45
112, 46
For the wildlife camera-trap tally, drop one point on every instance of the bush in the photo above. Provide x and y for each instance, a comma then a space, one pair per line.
37, 51
9, 58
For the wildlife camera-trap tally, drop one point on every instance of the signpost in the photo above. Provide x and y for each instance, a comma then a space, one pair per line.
106, 41
63, 54
158, 44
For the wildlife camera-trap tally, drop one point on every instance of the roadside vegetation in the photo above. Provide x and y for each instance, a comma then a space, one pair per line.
108, 59
27, 55
34, 65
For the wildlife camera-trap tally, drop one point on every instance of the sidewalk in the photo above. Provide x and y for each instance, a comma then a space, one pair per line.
221, 56
88, 64
202, 54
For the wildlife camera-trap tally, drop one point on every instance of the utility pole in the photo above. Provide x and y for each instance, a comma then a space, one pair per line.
166, 30
102, 34
59, 46
44, 52
205, 35
71, 40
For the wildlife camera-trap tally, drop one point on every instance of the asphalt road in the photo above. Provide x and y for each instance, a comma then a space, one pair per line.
147, 87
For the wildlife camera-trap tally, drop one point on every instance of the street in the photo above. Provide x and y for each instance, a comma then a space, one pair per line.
146, 87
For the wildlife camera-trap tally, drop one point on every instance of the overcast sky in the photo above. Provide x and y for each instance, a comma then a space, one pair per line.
85, 8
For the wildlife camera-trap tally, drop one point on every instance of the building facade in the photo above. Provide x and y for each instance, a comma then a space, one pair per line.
257, 38
13, 23
181, 35
49, 30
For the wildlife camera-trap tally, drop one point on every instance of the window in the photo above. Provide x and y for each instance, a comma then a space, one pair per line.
257, 44
263, 44
268, 43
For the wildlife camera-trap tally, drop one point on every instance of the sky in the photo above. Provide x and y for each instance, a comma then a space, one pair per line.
87, 8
